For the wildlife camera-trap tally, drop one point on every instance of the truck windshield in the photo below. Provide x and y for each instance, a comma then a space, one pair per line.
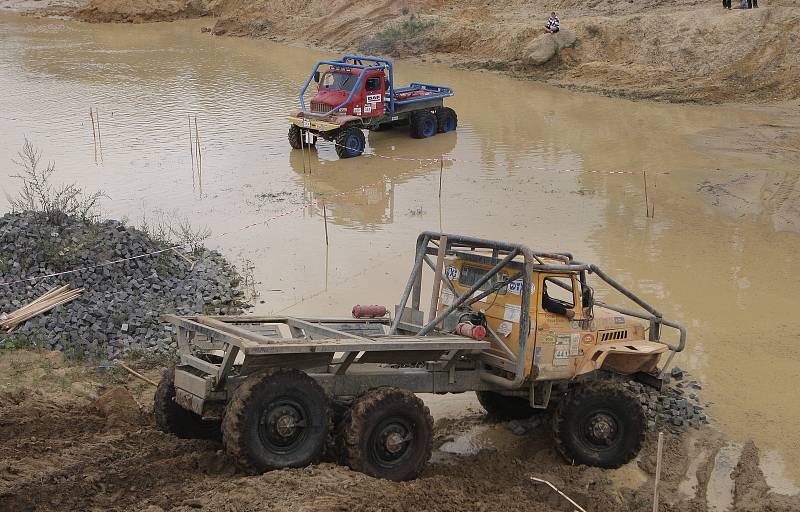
338, 81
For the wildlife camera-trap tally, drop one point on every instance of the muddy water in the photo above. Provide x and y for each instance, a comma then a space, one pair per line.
528, 163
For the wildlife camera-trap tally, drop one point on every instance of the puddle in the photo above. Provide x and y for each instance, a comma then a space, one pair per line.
775, 471
720, 484
688, 486
468, 443
528, 163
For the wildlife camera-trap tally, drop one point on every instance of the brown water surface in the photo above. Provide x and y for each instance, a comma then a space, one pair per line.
528, 163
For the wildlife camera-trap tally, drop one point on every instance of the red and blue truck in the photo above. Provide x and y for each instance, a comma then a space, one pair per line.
357, 93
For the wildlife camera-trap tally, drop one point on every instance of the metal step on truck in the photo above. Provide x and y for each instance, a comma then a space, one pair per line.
357, 93
519, 327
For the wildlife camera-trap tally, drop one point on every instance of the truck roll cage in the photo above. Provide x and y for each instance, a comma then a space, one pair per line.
440, 244
350, 62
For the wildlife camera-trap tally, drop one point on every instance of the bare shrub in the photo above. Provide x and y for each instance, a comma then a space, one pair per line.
38, 194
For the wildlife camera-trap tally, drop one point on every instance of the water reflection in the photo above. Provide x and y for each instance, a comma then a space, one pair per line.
359, 191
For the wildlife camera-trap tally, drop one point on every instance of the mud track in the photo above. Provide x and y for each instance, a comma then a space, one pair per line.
60, 454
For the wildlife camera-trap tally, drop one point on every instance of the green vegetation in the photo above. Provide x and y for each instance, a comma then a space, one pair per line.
387, 40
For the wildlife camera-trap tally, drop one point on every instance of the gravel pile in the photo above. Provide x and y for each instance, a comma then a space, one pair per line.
118, 311
677, 408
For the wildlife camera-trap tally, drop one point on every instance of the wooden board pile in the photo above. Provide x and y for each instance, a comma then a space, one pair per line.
46, 302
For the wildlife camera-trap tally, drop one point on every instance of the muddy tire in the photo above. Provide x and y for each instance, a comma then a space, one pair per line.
387, 433
296, 138
174, 419
350, 142
423, 125
446, 120
506, 408
599, 424
276, 420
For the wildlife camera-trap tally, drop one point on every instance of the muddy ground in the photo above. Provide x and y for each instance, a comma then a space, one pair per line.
678, 51
63, 448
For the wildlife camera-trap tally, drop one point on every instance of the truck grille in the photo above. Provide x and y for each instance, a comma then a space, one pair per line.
319, 108
613, 335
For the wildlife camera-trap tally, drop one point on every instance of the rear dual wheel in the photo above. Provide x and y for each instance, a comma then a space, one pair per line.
387, 433
277, 420
426, 124
174, 419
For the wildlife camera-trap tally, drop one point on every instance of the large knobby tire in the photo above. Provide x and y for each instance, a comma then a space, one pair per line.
296, 138
350, 142
387, 433
276, 420
423, 125
174, 419
446, 120
599, 424
506, 408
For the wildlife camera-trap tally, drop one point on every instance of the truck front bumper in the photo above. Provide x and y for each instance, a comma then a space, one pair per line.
313, 124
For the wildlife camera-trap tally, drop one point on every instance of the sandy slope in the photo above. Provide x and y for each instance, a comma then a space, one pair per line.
684, 50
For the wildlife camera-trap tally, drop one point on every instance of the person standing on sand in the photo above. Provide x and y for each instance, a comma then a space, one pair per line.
726, 4
551, 27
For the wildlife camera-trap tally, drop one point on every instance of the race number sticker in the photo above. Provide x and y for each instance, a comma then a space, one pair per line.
374, 98
367, 109
561, 354
575, 345
515, 287
451, 272
511, 313
357, 111
504, 329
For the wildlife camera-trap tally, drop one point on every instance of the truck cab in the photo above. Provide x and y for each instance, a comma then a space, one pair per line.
571, 334
335, 86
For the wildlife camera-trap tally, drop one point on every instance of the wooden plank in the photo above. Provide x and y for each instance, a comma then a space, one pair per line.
192, 383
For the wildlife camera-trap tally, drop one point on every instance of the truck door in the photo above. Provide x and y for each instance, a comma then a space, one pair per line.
559, 338
374, 88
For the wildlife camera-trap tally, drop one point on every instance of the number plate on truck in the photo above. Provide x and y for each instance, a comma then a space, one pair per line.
306, 123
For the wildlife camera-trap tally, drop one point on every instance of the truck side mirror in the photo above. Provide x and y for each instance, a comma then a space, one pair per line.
316, 76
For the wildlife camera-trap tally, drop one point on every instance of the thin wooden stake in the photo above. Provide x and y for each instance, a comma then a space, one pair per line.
191, 146
99, 139
199, 156
646, 202
325, 218
94, 134
137, 374
659, 453
441, 169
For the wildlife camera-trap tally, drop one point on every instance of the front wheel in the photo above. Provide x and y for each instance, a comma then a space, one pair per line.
387, 433
296, 138
599, 424
277, 420
350, 142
